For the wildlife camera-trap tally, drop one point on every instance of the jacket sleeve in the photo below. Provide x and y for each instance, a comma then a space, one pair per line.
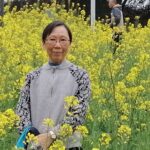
23, 106
77, 115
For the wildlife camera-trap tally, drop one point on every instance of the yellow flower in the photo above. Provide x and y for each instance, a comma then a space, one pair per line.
127, 19
71, 101
8, 120
124, 132
95, 149
144, 105
57, 145
31, 138
106, 114
82, 129
137, 17
124, 108
121, 87
102, 101
123, 118
48, 122
133, 92
89, 116
132, 76
119, 98
65, 131
105, 139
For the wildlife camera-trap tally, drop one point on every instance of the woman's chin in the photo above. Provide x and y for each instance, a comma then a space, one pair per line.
57, 60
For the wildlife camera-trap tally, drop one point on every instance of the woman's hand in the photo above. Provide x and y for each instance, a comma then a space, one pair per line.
45, 140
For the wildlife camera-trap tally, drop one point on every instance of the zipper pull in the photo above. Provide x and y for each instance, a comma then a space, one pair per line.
54, 70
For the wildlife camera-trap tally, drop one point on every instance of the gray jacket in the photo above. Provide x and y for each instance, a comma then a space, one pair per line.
43, 97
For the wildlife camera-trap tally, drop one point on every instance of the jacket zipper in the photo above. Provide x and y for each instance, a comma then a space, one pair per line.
53, 72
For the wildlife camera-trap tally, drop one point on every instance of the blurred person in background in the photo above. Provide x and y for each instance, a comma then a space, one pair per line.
116, 21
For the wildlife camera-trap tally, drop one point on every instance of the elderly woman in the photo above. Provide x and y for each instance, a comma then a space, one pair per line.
45, 89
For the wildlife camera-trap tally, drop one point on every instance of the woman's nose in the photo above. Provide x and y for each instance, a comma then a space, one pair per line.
57, 44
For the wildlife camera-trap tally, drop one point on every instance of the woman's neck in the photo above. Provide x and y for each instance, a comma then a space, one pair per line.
53, 64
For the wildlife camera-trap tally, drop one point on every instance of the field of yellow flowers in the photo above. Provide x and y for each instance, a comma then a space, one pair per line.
119, 110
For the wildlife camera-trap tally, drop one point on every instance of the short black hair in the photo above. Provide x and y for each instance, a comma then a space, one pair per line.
50, 27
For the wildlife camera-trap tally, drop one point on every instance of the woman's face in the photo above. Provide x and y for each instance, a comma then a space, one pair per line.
111, 3
57, 44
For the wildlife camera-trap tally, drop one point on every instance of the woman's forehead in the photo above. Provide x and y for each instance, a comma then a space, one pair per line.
60, 31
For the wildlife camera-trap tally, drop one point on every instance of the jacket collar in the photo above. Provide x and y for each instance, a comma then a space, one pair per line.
63, 65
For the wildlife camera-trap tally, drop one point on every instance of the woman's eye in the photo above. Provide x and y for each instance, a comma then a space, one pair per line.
52, 39
63, 40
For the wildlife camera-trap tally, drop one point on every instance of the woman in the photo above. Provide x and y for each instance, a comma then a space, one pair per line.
45, 89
